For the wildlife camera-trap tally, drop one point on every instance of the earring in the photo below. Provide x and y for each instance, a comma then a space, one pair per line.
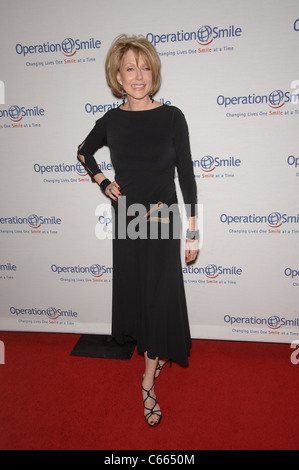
124, 96
151, 97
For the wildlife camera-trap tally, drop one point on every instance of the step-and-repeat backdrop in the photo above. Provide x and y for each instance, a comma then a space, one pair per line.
232, 67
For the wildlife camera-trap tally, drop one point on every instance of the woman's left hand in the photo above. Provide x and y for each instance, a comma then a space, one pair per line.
191, 250
113, 191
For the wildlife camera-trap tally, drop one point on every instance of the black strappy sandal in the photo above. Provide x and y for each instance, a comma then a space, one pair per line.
151, 411
159, 367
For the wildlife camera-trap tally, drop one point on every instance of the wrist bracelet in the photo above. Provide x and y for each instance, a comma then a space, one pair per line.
104, 184
192, 234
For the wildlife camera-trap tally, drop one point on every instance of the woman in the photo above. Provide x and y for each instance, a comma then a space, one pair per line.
147, 141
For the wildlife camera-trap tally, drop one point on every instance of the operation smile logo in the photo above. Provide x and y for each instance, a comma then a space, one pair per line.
276, 99
208, 163
77, 168
95, 270
214, 274
274, 322
36, 221
7, 271
67, 173
68, 47
16, 114
33, 221
293, 161
51, 313
204, 35
292, 274
273, 220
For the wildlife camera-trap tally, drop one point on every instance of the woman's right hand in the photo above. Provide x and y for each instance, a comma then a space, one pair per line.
113, 191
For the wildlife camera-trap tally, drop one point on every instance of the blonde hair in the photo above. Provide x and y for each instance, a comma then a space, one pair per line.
139, 45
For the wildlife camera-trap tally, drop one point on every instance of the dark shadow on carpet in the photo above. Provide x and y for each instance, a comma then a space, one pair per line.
103, 346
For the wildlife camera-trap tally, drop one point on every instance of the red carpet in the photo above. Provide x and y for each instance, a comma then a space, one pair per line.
233, 396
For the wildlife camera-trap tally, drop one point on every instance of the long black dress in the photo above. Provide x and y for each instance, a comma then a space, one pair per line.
148, 302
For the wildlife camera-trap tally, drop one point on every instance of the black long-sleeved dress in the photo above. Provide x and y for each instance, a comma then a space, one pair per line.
148, 302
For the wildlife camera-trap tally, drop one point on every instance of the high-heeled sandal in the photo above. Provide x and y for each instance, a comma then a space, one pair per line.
160, 367
151, 410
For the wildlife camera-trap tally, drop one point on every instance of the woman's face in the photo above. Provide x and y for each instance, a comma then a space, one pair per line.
135, 76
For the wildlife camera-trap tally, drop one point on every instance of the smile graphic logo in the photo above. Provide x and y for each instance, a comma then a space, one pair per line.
274, 220
207, 163
68, 47
204, 35
52, 313
274, 322
80, 170
276, 99
34, 221
211, 271
14, 113
96, 270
